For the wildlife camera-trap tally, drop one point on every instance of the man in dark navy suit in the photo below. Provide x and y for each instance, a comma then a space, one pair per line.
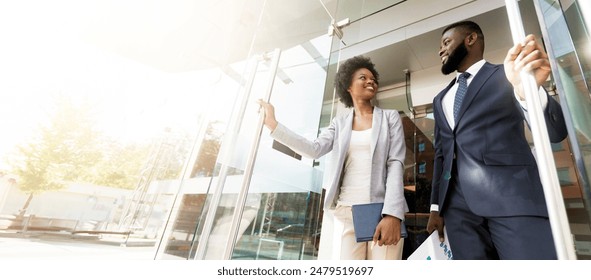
486, 187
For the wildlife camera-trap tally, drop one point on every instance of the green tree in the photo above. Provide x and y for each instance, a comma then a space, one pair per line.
68, 148
64, 146
120, 165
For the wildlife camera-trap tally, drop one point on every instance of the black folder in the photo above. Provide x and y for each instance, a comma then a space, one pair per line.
366, 218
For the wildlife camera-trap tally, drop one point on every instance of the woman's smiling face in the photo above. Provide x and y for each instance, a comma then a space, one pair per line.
363, 85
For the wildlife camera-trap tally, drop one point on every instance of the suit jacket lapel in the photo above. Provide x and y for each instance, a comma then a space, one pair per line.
439, 106
474, 88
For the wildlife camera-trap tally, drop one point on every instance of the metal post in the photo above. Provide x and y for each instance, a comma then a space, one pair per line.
235, 225
230, 141
556, 209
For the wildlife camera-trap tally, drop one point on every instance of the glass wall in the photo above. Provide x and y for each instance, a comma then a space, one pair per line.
100, 114
567, 39
260, 200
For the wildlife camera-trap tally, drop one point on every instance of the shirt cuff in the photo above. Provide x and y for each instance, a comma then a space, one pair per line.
435, 207
543, 99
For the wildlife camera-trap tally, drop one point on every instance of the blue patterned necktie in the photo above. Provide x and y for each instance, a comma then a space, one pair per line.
462, 89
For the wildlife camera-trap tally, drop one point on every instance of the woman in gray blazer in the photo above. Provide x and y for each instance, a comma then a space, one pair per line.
366, 163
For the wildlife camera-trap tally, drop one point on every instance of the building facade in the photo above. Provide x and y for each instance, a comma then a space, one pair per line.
278, 214
238, 194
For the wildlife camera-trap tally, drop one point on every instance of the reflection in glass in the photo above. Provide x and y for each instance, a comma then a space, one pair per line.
567, 40
279, 218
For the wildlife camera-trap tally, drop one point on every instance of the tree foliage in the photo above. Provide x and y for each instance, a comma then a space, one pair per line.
119, 167
69, 148
63, 146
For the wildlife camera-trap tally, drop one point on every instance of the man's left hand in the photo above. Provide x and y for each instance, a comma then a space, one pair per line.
528, 56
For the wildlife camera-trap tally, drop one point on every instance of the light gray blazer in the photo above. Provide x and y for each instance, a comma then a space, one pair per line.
388, 153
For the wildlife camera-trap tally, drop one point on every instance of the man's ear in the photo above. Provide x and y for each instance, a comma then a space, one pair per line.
472, 38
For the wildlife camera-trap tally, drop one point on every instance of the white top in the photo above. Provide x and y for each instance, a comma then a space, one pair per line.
357, 170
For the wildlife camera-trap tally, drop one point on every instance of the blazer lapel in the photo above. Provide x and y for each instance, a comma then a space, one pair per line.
345, 135
474, 88
376, 127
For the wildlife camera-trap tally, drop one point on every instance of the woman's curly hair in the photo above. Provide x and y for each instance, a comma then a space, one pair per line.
345, 73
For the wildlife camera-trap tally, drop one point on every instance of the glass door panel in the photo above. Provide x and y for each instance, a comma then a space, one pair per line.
259, 200
283, 200
284, 194
197, 181
567, 40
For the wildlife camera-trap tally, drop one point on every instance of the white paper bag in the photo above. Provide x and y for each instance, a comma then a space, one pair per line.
433, 249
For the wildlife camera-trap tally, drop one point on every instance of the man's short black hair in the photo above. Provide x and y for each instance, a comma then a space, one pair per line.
466, 25
345, 73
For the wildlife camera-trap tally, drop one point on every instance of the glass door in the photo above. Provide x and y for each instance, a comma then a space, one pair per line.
244, 195
566, 35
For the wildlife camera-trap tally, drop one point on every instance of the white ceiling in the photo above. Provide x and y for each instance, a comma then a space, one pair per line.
186, 35
420, 52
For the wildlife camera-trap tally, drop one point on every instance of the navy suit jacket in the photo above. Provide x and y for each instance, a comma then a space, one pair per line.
495, 166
